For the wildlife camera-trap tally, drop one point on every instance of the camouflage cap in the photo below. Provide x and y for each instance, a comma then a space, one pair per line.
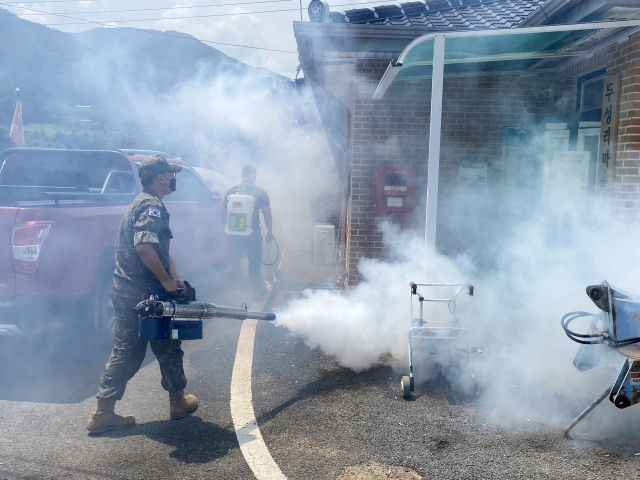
156, 165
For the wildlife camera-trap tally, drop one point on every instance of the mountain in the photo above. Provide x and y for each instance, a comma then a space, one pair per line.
38, 60
104, 68
162, 60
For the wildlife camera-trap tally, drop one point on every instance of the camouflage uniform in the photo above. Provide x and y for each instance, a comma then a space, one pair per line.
146, 221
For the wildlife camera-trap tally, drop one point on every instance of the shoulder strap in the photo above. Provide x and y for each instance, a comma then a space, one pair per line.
250, 190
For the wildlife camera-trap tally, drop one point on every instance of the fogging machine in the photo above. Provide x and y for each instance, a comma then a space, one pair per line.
613, 332
174, 317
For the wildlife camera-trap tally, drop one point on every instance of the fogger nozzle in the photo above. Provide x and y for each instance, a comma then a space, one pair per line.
199, 310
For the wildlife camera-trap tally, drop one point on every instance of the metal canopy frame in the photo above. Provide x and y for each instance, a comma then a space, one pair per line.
438, 63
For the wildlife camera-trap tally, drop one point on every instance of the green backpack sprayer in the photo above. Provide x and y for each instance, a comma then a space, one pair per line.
240, 206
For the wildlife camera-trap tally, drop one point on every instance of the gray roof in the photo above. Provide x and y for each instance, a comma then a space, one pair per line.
445, 14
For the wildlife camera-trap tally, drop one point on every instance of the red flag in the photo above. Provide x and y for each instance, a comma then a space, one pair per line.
17, 134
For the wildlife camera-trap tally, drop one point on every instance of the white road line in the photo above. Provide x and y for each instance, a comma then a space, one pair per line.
252, 444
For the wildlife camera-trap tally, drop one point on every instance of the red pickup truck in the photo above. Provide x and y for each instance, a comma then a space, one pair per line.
59, 215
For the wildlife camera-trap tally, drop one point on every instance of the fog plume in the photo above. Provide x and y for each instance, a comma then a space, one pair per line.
539, 273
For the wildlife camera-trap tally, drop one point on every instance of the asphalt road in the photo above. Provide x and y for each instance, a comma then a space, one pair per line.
318, 420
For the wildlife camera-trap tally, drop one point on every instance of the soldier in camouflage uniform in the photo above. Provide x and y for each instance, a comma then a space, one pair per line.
143, 265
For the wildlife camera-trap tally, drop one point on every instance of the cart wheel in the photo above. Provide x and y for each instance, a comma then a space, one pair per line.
405, 383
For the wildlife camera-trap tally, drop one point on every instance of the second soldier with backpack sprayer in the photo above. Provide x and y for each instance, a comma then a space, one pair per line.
244, 203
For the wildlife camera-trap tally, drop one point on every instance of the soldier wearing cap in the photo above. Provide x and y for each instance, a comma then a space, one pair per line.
143, 265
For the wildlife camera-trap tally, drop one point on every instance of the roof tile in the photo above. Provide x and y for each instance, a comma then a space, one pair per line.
449, 14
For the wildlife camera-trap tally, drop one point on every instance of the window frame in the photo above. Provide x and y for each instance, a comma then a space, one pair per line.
585, 80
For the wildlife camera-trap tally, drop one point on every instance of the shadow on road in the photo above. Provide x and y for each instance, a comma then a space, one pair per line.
68, 472
60, 366
335, 379
194, 440
65, 365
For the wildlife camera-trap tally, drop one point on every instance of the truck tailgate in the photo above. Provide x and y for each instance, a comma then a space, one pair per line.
7, 274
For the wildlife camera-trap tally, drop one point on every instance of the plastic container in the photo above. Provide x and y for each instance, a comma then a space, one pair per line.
240, 207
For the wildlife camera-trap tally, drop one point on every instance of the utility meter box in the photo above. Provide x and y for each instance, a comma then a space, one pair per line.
472, 170
395, 190
324, 244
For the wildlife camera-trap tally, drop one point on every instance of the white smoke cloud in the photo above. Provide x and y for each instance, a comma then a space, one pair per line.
374, 318
294, 169
540, 273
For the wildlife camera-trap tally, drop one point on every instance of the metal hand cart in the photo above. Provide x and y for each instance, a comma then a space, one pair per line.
444, 340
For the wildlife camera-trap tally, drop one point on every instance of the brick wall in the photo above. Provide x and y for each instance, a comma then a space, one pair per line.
625, 59
395, 131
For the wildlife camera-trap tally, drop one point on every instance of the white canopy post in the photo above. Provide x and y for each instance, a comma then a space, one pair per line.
435, 130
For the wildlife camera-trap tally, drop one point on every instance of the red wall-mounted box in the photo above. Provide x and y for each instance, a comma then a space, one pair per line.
395, 190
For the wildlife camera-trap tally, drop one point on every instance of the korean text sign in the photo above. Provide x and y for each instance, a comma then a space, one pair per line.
608, 134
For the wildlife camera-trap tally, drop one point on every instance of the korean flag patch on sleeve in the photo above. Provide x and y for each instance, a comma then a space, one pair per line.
154, 212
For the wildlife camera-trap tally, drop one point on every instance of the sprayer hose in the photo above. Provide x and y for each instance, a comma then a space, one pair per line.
570, 317
595, 338
277, 256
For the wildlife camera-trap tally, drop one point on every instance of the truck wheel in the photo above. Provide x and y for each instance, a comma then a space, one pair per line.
105, 320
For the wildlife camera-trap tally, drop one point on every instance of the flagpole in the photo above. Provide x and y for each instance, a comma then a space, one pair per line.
21, 119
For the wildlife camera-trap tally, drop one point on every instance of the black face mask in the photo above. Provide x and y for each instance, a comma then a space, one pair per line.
172, 184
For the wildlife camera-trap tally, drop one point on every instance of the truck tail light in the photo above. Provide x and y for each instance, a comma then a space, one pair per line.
27, 242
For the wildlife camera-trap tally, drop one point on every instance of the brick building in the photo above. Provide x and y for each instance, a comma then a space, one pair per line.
504, 117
